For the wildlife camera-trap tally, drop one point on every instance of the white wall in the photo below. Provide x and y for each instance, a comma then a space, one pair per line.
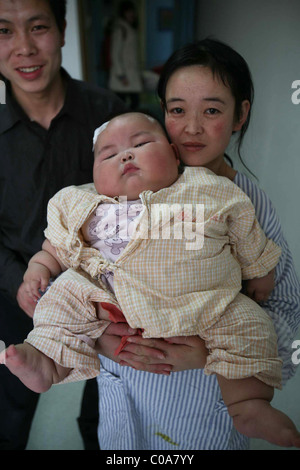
267, 34
71, 51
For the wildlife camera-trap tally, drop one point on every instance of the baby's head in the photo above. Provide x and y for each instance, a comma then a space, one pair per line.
132, 155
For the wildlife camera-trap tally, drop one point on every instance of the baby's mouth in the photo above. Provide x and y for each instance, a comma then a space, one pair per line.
129, 168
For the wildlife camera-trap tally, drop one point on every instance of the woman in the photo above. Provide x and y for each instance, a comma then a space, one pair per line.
125, 75
206, 92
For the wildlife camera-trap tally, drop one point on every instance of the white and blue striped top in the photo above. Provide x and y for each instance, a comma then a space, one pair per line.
185, 411
284, 303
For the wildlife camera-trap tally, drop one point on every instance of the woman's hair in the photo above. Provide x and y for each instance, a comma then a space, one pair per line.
225, 64
59, 10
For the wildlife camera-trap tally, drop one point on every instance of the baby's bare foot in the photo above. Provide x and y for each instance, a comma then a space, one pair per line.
258, 419
30, 365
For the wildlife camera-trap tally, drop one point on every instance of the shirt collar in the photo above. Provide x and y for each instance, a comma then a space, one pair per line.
11, 113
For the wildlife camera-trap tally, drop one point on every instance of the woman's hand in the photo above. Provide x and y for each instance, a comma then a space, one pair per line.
110, 340
147, 358
158, 356
180, 353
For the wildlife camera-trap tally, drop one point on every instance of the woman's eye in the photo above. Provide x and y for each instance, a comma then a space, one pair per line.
212, 111
4, 31
176, 111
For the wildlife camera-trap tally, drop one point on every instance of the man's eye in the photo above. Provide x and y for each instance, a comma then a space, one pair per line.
4, 31
39, 26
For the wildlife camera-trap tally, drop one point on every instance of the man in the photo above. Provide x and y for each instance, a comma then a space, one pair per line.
46, 130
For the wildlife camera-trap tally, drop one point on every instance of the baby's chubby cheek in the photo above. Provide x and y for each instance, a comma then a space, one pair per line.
100, 178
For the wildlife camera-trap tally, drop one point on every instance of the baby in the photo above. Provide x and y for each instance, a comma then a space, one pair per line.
107, 240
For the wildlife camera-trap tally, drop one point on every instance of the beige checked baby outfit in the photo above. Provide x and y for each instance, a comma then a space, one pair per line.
165, 280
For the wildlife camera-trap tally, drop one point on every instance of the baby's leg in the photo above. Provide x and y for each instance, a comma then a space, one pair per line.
35, 370
248, 402
66, 327
243, 343
109, 312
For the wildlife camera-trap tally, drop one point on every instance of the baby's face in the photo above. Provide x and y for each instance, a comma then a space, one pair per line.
132, 154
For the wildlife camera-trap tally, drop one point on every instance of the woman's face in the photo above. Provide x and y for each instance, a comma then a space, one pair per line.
200, 116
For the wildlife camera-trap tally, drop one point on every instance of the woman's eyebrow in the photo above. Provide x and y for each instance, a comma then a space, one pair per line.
172, 100
214, 99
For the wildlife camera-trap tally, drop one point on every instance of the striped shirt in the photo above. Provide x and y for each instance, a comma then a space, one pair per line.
283, 305
185, 411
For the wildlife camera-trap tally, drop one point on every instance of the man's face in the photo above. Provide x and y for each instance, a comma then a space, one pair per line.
30, 45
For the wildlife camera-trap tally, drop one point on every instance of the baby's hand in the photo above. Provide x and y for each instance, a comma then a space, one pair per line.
259, 289
36, 278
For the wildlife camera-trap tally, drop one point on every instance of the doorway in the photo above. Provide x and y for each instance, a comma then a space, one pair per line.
164, 25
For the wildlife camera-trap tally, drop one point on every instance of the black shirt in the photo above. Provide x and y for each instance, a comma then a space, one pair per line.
35, 163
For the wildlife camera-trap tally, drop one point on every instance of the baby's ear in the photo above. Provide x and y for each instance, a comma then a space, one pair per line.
176, 152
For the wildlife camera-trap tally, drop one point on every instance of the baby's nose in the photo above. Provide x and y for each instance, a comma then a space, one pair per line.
127, 157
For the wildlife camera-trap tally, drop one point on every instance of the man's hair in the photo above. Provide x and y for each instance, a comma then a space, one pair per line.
59, 10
